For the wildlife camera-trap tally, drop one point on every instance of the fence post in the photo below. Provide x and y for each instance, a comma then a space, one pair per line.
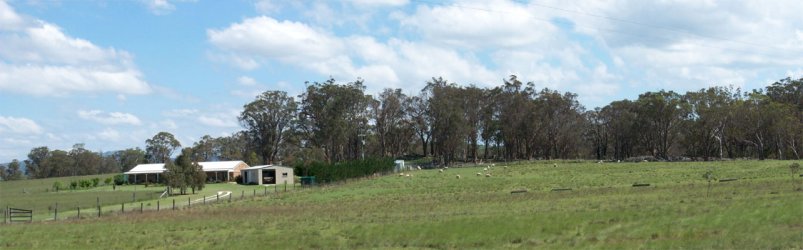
266, 192
5, 215
285, 185
189, 204
140, 207
204, 199
275, 188
56, 214
97, 202
174, 204
133, 197
122, 207
79, 213
255, 193
218, 197
230, 194
157, 206
242, 194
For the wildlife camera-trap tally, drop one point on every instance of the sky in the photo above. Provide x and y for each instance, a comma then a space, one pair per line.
113, 73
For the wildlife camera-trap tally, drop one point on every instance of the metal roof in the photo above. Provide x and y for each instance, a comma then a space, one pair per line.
209, 166
155, 168
265, 167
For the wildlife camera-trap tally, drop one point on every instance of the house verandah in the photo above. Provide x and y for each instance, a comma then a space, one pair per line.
219, 171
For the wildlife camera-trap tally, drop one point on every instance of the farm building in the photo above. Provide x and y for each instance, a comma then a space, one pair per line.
143, 173
268, 174
216, 171
222, 171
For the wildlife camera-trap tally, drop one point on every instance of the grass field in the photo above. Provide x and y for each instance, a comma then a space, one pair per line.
761, 209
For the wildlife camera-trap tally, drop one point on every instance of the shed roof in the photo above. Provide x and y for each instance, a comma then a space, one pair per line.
158, 168
266, 167
220, 165
154, 168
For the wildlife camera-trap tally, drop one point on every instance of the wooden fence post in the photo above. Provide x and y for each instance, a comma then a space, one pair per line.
242, 194
133, 197
122, 207
189, 204
285, 185
217, 199
79, 212
5, 215
266, 192
56, 214
97, 202
157, 206
174, 204
230, 194
140, 207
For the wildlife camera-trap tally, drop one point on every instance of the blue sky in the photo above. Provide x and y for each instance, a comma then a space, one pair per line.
111, 74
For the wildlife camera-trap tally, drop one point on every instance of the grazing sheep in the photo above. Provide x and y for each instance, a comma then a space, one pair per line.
493, 164
419, 167
401, 174
599, 162
408, 175
458, 176
479, 174
506, 167
445, 167
618, 161
440, 170
554, 165
485, 169
488, 175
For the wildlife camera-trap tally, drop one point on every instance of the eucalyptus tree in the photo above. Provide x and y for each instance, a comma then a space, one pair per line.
266, 120
334, 117
159, 148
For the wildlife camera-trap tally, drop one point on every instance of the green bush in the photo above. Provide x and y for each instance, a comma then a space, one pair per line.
57, 186
107, 181
120, 179
95, 182
325, 172
73, 184
85, 183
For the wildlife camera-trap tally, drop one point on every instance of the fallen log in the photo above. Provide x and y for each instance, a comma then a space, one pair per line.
518, 191
641, 185
728, 179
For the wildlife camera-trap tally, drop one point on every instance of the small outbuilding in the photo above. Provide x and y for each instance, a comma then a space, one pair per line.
267, 174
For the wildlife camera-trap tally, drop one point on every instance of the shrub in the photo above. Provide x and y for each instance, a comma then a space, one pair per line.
120, 179
108, 181
57, 186
85, 183
95, 182
73, 184
239, 179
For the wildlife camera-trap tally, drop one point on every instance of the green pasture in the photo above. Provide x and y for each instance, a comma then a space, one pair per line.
762, 209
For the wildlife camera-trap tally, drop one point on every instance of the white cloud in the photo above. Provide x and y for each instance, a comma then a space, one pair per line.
16, 125
379, 3
179, 112
38, 58
246, 81
266, 6
217, 121
160, 7
111, 118
109, 134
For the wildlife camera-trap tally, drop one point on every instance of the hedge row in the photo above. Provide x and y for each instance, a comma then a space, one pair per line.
326, 172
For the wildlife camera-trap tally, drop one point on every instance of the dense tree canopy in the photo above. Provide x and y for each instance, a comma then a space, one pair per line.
333, 122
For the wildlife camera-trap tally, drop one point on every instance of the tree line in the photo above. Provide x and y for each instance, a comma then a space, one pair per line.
332, 122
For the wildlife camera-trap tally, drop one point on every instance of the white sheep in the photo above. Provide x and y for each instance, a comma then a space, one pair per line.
488, 175
485, 169
419, 167
440, 170
401, 174
407, 175
554, 165
479, 174
493, 164
458, 176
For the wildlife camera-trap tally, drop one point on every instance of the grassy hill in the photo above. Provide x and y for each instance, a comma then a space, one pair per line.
431, 209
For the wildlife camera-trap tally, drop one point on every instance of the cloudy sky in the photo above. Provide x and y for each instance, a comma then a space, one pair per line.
111, 74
